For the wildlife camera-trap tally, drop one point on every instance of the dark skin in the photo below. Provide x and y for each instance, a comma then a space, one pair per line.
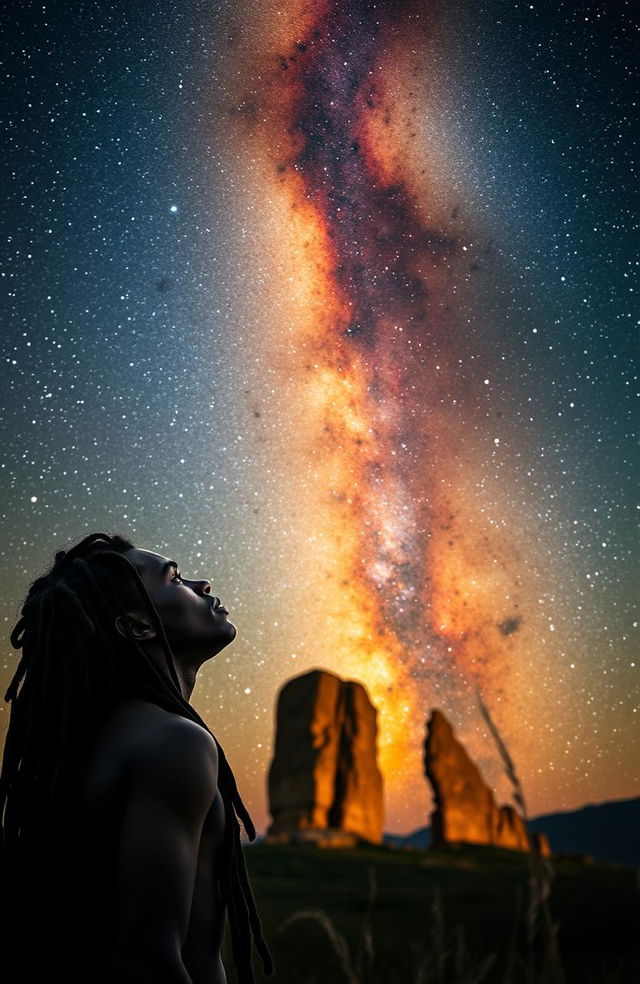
162, 770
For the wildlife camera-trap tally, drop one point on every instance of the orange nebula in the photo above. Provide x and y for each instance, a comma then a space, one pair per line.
388, 443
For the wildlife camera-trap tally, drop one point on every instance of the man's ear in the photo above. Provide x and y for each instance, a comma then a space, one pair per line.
136, 627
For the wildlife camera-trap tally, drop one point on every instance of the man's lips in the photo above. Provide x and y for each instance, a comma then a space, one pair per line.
217, 607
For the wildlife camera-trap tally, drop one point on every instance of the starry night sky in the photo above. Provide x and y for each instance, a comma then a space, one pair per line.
153, 345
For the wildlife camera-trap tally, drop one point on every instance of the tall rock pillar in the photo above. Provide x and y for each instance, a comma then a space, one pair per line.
324, 774
465, 810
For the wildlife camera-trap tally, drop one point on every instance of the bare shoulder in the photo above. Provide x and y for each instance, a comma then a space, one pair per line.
152, 747
148, 732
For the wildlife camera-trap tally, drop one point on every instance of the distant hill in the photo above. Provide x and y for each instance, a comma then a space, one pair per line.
420, 838
607, 832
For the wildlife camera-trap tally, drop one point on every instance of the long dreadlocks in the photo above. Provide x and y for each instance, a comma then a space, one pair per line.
74, 666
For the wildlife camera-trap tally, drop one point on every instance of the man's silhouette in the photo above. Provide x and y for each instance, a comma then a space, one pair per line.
121, 843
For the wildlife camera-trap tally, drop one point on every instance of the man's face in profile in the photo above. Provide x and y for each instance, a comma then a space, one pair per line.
194, 620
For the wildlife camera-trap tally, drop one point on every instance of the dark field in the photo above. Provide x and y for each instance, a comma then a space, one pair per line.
452, 917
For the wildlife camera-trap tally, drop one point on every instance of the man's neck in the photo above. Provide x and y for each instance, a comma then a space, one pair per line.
185, 672
187, 679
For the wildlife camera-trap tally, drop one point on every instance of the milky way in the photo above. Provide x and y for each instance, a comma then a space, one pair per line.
331, 302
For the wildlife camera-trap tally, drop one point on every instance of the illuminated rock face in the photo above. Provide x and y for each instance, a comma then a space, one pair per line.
465, 808
509, 830
324, 774
541, 844
358, 805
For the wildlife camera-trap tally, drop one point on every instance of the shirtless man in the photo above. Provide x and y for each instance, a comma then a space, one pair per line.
148, 799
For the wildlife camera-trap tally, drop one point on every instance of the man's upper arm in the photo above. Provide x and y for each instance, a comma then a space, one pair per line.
171, 784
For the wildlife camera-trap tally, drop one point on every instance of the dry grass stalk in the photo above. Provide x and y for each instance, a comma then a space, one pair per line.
443, 963
366, 958
337, 940
540, 869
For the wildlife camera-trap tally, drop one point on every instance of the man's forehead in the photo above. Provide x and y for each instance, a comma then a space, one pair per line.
147, 560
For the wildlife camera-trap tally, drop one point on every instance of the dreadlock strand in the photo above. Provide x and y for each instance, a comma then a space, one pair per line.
18, 677
39, 666
84, 620
239, 806
41, 739
254, 919
10, 762
17, 635
238, 913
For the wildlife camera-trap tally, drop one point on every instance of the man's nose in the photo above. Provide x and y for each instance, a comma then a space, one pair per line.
202, 587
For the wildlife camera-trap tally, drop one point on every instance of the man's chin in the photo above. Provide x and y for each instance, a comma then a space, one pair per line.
225, 635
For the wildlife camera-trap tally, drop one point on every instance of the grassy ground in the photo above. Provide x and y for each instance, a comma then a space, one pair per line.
454, 917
